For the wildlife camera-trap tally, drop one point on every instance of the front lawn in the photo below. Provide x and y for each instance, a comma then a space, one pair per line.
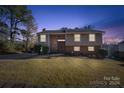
61, 72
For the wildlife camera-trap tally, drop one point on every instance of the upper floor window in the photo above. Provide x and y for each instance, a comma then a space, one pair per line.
77, 37
92, 37
43, 38
91, 48
76, 48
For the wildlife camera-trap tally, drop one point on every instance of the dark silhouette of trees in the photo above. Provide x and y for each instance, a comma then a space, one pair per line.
88, 27
19, 21
14, 16
29, 32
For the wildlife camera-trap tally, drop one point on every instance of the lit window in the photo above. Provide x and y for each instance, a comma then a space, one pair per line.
43, 38
76, 48
90, 48
77, 37
91, 37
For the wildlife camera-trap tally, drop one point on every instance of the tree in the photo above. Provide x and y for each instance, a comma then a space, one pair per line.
88, 27
8, 12
15, 16
29, 34
3, 26
18, 19
64, 28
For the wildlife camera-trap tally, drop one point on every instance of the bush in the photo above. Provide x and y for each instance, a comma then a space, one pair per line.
37, 48
6, 47
44, 50
101, 53
3, 46
19, 47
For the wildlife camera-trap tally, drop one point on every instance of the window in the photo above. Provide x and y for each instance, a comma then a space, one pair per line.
43, 38
76, 48
91, 48
76, 37
92, 37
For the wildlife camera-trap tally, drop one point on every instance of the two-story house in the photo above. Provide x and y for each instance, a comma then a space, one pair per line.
71, 40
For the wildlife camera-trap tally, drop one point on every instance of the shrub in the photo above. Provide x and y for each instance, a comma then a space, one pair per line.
3, 46
37, 48
6, 47
101, 53
116, 54
19, 47
44, 50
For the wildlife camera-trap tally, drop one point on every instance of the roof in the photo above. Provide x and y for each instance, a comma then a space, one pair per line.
70, 31
122, 42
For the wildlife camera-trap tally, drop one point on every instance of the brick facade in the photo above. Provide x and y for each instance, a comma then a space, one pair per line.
63, 41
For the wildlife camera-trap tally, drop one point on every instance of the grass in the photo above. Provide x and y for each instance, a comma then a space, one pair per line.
60, 71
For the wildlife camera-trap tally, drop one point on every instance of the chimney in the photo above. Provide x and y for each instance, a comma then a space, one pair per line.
44, 29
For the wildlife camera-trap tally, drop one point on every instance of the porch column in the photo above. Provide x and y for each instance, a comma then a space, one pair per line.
49, 42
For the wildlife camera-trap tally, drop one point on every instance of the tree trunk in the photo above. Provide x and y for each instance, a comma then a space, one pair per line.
27, 44
11, 26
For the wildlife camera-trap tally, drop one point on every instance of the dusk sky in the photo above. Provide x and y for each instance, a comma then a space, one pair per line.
106, 18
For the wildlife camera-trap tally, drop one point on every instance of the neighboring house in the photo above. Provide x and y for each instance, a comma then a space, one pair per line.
121, 49
71, 40
111, 49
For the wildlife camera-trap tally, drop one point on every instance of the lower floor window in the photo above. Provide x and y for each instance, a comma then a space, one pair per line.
76, 48
91, 48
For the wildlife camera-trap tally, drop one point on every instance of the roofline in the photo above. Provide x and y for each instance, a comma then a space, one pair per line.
67, 32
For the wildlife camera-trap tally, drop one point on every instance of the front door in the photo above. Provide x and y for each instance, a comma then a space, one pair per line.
61, 46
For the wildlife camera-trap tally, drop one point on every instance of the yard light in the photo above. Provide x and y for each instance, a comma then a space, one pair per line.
41, 49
